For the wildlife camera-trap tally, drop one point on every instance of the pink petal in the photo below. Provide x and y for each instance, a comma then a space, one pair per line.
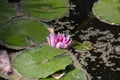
52, 39
67, 38
58, 45
69, 42
63, 46
58, 37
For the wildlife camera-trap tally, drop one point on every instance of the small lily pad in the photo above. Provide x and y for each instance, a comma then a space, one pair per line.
74, 74
46, 9
41, 62
108, 11
23, 33
83, 46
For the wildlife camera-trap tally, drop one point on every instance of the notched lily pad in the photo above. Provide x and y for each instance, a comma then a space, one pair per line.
22, 33
46, 9
6, 10
74, 74
41, 62
108, 11
86, 45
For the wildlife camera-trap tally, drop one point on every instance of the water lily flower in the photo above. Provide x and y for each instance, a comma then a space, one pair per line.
59, 40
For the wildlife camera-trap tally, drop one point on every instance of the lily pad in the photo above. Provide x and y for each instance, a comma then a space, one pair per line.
6, 10
75, 74
84, 46
22, 33
46, 9
108, 11
41, 62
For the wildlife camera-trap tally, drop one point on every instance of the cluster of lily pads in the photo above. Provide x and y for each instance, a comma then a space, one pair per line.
42, 57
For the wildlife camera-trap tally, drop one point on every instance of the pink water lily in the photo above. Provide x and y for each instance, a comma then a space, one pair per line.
59, 40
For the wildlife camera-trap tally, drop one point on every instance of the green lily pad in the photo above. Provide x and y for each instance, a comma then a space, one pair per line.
74, 74
22, 33
84, 46
46, 9
41, 62
108, 11
6, 10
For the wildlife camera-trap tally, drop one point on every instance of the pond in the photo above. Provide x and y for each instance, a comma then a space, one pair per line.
103, 61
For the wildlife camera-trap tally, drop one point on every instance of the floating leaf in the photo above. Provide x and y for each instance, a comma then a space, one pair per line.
6, 10
46, 9
41, 62
75, 74
108, 11
84, 46
22, 33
